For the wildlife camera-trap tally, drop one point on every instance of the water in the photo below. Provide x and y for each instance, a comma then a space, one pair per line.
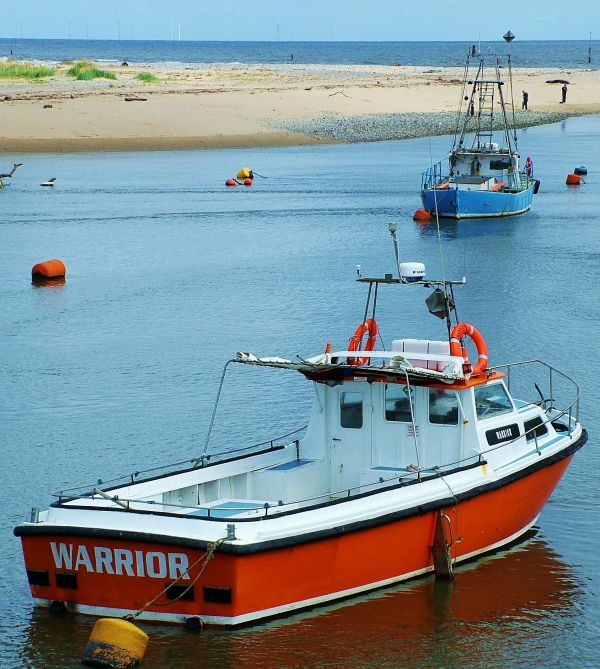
567, 54
170, 273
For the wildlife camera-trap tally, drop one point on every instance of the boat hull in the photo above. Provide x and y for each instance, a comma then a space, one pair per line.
459, 203
240, 585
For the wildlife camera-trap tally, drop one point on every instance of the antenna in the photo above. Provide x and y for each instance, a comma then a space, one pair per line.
392, 227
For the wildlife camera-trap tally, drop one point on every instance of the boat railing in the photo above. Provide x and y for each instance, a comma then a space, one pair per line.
264, 509
554, 379
198, 462
433, 175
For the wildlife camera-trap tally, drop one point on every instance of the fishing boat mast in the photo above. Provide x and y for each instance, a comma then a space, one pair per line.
480, 109
508, 38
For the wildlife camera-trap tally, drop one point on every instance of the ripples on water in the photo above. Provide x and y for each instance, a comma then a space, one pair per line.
169, 274
570, 54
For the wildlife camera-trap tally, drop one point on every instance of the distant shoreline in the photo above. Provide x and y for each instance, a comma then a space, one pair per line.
219, 106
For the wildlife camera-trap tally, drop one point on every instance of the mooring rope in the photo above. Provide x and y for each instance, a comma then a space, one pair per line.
211, 549
437, 471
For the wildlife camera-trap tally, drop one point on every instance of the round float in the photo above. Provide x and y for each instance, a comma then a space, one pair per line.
115, 644
422, 215
49, 269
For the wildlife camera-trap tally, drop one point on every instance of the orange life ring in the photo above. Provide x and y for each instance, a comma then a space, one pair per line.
368, 327
458, 332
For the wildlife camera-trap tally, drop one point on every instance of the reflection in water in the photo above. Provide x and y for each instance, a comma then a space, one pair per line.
58, 282
451, 228
521, 597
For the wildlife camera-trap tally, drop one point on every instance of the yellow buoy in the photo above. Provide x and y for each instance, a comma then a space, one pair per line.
115, 644
245, 173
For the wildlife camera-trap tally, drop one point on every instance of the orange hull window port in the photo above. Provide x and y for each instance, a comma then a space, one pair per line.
458, 332
49, 269
368, 327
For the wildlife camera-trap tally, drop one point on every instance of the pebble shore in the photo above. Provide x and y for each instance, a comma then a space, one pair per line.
381, 127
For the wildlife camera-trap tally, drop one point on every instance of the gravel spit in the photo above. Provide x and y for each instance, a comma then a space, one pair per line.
382, 127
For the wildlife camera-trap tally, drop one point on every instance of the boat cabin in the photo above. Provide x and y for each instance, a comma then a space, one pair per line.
408, 415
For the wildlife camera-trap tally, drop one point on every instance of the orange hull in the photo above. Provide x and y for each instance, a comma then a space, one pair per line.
246, 587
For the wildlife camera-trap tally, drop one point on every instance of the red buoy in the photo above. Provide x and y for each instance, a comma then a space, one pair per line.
573, 180
231, 182
421, 215
247, 182
49, 269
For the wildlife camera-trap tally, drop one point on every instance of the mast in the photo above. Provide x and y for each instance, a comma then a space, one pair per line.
508, 38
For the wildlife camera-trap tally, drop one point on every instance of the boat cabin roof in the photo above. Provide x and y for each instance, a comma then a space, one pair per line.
382, 367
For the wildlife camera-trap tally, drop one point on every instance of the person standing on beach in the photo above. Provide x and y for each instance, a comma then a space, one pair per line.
564, 94
525, 100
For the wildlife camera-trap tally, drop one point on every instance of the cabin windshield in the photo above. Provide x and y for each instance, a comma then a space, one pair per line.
491, 401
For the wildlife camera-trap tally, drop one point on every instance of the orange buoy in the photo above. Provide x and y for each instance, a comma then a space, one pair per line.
49, 269
421, 215
573, 179
231, 182
247, 182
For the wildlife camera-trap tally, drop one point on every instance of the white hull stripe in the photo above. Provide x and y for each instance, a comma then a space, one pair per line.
277, 610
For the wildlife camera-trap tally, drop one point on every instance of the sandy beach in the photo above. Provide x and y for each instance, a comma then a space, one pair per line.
213, 106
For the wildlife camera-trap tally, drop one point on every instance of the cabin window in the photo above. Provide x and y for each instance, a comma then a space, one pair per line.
443, 407
535, 428
492, 401
397, 403
351, 410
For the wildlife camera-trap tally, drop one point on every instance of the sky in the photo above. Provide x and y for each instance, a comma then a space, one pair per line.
361, 20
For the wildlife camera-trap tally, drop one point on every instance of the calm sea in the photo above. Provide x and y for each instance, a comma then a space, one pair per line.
170, 273
565, 54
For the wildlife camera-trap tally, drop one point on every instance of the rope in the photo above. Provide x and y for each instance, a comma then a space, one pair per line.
206, 558
214, 413
437, 471
441, 250
412, 420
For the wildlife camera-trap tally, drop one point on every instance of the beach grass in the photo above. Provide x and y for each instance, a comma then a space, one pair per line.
85, 70
146, 77
18, 69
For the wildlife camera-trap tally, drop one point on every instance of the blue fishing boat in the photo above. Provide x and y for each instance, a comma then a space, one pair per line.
483, 176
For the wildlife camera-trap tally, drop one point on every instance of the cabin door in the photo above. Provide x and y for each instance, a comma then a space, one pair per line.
441, 428
351, 434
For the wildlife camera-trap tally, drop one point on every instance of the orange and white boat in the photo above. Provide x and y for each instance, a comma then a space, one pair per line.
413, 460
